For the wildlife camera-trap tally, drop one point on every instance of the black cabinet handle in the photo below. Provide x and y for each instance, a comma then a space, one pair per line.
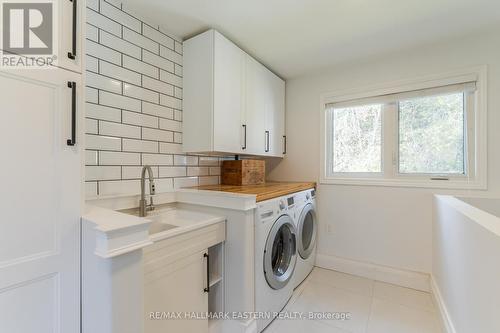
72, 141
244, 137
267, 142
284, 144
207, 289
72, 54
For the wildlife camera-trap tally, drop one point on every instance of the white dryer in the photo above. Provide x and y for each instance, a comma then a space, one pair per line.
275, 258
307, 227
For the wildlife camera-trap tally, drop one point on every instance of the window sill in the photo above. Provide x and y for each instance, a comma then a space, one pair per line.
431, 184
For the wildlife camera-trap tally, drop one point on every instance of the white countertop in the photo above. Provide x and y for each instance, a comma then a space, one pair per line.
120, 232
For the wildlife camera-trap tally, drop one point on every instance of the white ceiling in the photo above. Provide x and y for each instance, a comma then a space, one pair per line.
293, 37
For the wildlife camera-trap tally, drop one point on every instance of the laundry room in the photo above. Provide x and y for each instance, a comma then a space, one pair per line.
216, 166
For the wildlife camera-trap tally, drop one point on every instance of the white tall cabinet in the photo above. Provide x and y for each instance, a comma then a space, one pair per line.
41, 200
232, 103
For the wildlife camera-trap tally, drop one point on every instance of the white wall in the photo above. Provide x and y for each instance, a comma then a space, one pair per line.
465, 265
382, 225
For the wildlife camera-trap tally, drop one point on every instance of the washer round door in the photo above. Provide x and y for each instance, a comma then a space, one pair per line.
307, 229
280, 253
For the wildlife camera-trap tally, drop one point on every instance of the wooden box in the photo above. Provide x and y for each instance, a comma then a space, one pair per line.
243, 172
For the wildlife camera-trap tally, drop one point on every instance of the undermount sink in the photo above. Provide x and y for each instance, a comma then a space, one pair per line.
157, 227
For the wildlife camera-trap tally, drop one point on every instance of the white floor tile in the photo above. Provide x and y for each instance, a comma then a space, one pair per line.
404, 296
301, 326
390, 317
344, 281
320, 298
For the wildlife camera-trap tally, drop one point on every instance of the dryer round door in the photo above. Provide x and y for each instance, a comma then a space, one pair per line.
280, 253
306, 229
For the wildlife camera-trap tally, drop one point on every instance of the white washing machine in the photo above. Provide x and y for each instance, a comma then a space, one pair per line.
307, 227
275, 258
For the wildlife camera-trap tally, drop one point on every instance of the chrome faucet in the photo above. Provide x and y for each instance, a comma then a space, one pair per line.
143, 206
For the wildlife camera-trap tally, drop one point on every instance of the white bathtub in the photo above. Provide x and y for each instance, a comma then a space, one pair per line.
466, 263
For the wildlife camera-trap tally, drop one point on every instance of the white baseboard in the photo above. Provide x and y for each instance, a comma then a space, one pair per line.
400, 277
447, 324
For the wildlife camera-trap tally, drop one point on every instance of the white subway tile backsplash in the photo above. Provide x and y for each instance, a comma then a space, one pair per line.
209, 161
171, 55
119, 73
170, 148
140, 67
171, 78
119, 158
102, 112
90, 189
120, 16
157, 135
91, 64
102, 173
178, 47
185, 182
91, 157
119, 44
119, 187
102, 22
104, 83
140, 146
158, 36
197, 171
134, 106
177, 137
99, 142
120, 130
171, 125
185, 160
171, 102
157, 159
140, 93
134, 172
139, 119
92, 33
178, 115
93, 4
139, 40
103, 52
158, 86
209, 180
91, 126
118, 101
157, 61
91, 95
157, 110
173, 172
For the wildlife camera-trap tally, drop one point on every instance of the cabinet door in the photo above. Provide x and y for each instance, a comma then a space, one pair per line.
257, 104
176, 287
229, 71
41, 202
275, 125
70, 16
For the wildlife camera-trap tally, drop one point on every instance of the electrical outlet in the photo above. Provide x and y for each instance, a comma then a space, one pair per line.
329, 228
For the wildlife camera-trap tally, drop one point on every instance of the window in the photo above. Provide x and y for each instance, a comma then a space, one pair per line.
419, 134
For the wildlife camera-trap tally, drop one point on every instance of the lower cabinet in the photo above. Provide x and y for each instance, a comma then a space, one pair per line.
178, 287
183, 281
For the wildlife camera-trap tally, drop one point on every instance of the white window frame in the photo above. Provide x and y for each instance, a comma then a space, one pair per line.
476, 134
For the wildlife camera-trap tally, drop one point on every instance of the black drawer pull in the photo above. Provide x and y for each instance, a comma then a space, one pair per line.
72, 141
207, 289
284, 144
244, 137
267, 142
72, 54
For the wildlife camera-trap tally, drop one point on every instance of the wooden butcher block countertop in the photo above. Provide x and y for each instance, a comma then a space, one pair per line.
264, 191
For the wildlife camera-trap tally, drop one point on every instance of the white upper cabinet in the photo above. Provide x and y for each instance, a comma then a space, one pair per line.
232, 103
